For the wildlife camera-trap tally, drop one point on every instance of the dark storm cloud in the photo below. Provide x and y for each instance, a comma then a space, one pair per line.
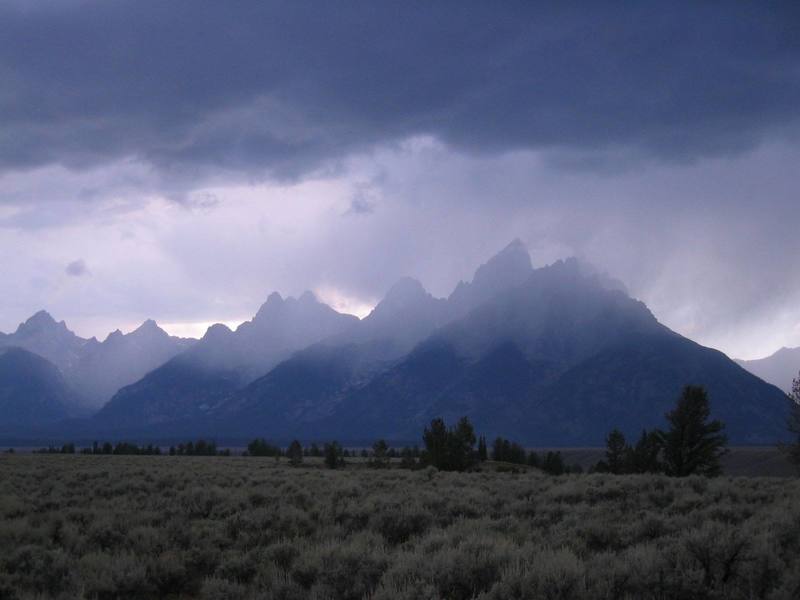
200, 87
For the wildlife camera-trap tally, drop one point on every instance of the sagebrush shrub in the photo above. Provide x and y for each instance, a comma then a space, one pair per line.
97, 527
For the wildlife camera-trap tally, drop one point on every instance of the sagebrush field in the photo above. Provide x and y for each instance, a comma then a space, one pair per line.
217, 528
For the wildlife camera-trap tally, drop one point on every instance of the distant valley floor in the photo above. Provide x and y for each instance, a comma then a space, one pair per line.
741, 461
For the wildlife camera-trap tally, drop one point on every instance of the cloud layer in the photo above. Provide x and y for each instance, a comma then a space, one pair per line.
189, 87
194, 156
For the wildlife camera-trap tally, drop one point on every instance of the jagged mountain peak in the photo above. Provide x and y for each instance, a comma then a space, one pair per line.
277, 308
572, 269
406, 291
511, 264
41, 322
308, 297
149, 328
148, 324
114, 336
273, 303
507, 269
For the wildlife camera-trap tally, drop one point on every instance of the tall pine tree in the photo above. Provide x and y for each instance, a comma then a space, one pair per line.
793, 449
693, 445
616, 451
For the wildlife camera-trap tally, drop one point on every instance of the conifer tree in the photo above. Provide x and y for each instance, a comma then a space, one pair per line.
693, 445
616, 450
295, 453
334, 455
792, 449
482, 451
450, 449
644, 457
435, 439
380, 454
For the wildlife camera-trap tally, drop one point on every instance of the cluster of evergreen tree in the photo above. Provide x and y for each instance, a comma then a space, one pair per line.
504, 450
198, 448
453, 449
334, 455
121, 448
192, 448
692, 445
260, 447
552, 463
106, 448
65, 449
450, 449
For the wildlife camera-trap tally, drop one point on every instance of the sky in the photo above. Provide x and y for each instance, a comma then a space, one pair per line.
182, 160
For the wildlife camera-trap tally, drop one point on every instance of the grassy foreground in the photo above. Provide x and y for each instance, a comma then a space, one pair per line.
218, 528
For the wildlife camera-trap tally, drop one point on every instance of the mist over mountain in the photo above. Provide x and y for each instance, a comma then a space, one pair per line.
780, 368
222, 361
508, 268
33, 392
560, 359
311, 384
96, 370
42, 335
122, 359
556, 355
405, 316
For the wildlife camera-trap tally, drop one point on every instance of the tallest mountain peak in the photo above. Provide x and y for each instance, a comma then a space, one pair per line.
41, 317
509, 267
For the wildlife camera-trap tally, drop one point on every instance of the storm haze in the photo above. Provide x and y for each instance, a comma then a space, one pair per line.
182, 161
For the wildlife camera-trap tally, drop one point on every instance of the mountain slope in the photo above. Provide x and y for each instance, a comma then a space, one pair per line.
42, 335
779, 369
634, 385
559, 359
406, 316
191, 384
32, 391
93, 369
121, 359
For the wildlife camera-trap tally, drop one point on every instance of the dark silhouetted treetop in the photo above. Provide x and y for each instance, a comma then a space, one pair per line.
506, 451
616, 451
450, 449
380, 454
334, 455
792, 449
295, 453
693, 445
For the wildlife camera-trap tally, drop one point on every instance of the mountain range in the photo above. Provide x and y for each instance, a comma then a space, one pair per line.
557, 355
94, 370
780, 368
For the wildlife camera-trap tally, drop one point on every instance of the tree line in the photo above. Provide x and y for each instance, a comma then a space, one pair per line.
691, 444
193, 448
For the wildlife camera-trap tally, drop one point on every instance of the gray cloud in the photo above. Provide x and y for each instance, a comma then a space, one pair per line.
284, 88
77, 268
658, 140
